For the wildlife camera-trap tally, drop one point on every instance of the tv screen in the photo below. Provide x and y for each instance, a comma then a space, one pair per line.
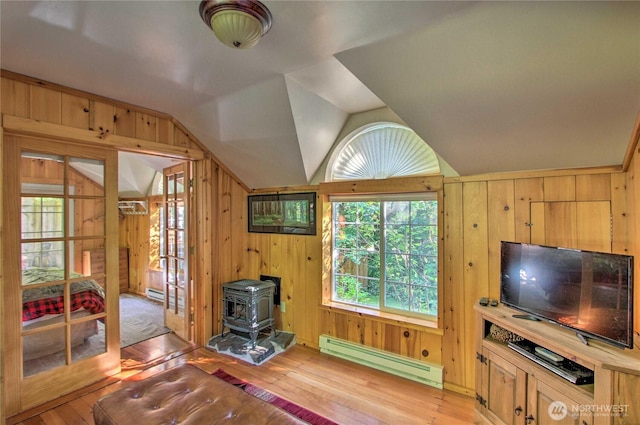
589, 292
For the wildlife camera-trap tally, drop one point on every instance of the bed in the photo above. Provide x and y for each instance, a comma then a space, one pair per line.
44, 306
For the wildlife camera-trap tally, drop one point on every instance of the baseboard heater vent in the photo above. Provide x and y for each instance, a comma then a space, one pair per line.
158, 295
426, 373
155, 294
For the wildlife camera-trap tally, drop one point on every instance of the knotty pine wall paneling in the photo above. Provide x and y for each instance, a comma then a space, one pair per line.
75, 111
45, 105
26, 97
309, 280
296, 259
134, 234
164, 131
469, 267
560, 188
623, 225
125, 122
180, 139
559, 209
146, 127
101, 117
476, 257
526, 191
15, 98
455, 315
593, 187
230, 252
501, 227
203, 265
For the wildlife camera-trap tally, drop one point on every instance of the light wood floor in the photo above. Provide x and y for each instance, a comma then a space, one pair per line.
342, 391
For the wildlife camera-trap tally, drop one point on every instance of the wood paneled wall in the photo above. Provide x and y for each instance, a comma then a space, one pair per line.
134, 234
26, 97
579, 209
588, 209
296, 259
478, 212
36, 108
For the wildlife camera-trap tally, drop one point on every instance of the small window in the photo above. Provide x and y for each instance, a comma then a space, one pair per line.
385, 252
379, 151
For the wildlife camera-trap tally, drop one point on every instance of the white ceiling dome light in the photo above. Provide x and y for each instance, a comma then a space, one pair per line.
380, 151
239, 24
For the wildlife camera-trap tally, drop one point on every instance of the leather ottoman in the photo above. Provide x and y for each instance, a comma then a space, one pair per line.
186, 395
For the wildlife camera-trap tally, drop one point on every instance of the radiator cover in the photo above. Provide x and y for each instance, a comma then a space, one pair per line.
426, 373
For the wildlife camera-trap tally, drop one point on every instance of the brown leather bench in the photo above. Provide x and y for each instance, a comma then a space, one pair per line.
186, 395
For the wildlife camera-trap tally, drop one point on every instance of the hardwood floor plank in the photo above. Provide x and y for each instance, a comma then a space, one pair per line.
344, 392
33, 421
83, 407
69, 416
318, 402
51, 417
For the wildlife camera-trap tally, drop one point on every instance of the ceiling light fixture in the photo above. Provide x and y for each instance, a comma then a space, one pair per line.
237, 23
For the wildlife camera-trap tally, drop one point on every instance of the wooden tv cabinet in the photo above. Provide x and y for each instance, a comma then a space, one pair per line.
512, 389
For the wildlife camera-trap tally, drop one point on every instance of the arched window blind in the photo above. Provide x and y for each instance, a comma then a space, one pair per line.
381, 150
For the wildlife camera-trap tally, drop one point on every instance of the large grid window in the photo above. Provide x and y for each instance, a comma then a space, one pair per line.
385, 252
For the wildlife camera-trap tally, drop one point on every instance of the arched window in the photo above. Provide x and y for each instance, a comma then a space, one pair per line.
381, 150
385, 246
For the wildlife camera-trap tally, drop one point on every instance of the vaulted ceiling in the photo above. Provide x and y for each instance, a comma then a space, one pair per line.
490, 86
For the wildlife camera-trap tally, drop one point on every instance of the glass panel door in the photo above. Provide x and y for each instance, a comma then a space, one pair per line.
177, 283
60, 218
63, 323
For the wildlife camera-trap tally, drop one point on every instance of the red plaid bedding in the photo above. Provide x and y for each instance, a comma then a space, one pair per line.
55, 305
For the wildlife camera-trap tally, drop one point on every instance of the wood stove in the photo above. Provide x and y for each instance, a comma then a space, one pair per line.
247, 307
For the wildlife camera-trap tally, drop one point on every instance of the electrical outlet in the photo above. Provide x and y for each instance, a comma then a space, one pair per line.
283, 307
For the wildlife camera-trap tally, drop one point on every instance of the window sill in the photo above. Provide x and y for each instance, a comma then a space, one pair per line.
393, 318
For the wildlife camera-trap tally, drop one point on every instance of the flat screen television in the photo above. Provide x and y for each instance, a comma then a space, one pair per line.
589, 292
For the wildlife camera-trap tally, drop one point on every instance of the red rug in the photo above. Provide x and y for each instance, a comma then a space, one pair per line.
298, 411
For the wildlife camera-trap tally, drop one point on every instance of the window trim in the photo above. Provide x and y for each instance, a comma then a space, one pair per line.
381, 199
373, 187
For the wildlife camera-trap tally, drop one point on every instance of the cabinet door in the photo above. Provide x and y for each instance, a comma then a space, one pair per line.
626, 395
549, 406
505, 390
584, 225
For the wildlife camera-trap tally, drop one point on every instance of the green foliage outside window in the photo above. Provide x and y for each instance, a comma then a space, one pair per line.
386, 254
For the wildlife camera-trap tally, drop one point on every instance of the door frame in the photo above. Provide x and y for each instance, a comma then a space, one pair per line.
34, 390
201, 163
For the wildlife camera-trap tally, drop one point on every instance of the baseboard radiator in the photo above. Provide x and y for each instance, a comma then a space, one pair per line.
158, 295
155, 294
426, 373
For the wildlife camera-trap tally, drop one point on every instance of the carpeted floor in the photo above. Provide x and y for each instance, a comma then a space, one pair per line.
239, 345
140, 319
